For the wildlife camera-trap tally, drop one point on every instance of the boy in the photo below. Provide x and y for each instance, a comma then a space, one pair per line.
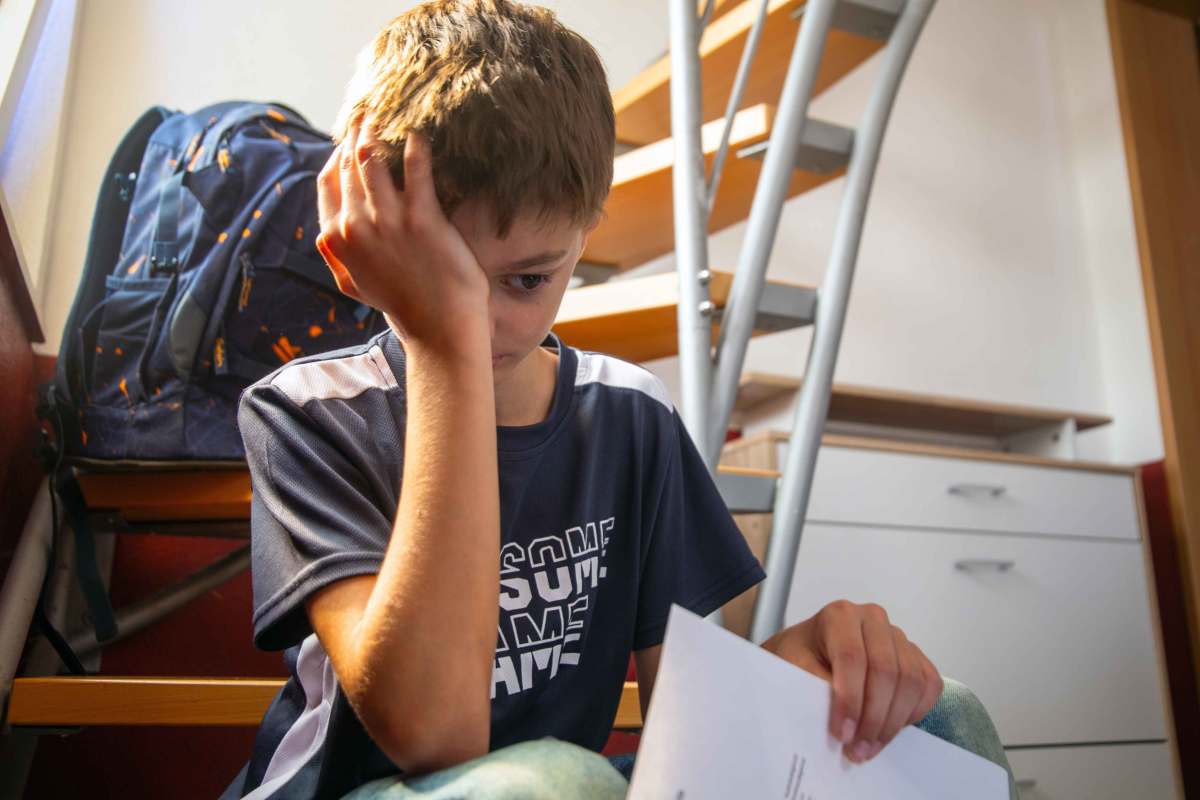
553, 506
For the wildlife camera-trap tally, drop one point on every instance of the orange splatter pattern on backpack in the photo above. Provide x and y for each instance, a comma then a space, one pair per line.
285, 350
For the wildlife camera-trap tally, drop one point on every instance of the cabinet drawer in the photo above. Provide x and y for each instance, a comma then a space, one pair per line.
1053, 635
874, 487
1109, 772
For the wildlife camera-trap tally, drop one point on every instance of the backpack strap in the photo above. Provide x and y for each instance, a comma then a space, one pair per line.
65, 488
104, 241
164, 249
90, 582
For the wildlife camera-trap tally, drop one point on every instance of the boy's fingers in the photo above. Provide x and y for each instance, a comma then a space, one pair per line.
351, 187
418, 173
883, 668
376, 179
341, 275
329, 191
843, 643
933, 688
909, 688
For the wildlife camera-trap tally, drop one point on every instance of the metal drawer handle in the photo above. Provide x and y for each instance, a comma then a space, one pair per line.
968, 489
1026, 783
998, 564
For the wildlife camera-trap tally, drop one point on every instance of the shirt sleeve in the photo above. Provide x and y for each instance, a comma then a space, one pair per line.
696, 556
314, 516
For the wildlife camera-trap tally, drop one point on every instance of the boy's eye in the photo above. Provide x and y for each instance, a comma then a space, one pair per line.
527, 284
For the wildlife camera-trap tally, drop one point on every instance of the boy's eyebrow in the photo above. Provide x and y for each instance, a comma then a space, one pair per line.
536, 261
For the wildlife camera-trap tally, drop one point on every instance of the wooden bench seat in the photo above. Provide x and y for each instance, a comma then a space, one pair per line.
74, 702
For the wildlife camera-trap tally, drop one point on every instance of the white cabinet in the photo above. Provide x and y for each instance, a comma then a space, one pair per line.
865, 486
1025, 581
1142, 771
1051, 634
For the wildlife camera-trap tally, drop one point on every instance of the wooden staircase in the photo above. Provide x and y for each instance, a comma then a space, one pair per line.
634, 319
180, 500
643, 106
638, 224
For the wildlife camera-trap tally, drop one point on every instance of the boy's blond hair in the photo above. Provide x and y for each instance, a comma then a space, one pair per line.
515, 104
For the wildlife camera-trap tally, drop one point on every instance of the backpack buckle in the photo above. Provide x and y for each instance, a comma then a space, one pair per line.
163, 259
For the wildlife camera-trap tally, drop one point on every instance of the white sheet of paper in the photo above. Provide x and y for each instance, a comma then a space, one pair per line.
728, 720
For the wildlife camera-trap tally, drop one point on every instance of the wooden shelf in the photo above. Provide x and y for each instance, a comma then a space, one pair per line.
633, 319
776, 437
638, 222
890, 408
643, 105
884, 419
73, 702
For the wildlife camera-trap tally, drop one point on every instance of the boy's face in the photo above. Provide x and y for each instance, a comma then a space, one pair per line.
528, 271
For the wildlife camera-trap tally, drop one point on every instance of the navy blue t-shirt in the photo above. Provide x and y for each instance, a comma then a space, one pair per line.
607, 517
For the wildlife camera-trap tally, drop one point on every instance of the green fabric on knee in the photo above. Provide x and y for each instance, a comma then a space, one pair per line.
545, 769
959, 718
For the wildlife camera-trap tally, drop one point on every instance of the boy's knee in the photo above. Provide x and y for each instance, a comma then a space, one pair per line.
544, 769
960, 718
565, 770
549, 769
958, 714
958, 698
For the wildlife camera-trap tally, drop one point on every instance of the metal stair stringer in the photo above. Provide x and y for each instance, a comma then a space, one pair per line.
710, 382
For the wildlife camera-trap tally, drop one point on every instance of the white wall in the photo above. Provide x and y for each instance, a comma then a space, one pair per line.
32, 111
998, 261
1092, 132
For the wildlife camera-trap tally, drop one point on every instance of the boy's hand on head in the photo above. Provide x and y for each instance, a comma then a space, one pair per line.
881, 681
395, 249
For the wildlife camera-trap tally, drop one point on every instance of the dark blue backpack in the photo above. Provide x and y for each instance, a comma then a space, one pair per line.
201, 277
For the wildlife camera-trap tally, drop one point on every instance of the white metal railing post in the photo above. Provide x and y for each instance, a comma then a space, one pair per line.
737, 322
813, 403
23, 585
691, 221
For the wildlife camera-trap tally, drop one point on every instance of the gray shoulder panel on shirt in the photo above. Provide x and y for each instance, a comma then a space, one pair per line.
611, 371
339, 378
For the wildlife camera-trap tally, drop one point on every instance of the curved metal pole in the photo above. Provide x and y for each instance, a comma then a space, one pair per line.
691, 221
22, 585
813, 402
735, 101
737, 322
143, 613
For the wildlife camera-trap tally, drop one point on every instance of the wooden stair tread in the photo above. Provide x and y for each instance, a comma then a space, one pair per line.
720, 7
74, 701
69, 701
151, 496
893, 408
638, 222
643, 105
634, 319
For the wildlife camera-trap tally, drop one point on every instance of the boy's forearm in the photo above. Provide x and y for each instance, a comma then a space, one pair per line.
429, 628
